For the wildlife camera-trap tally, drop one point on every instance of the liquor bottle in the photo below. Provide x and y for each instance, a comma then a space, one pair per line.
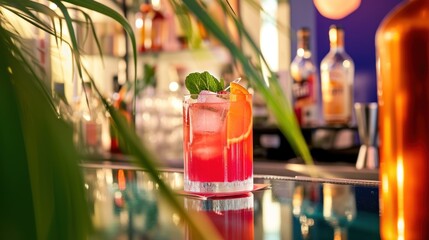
90, 120
304, 86
337, 76
114, 135
117, 144
142, 33
152, 32
402, 45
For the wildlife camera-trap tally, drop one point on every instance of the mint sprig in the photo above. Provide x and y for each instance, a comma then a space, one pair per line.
197, 82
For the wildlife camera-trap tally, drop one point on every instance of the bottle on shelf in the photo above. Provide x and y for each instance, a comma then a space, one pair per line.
402, 46
337, 80
90, 122
114, 136
304, 85
152, 28
117, 144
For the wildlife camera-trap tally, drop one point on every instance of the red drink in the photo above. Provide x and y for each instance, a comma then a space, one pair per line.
232, 217
218, 144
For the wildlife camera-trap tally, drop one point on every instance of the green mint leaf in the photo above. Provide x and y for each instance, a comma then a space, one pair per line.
197, 82
222, 84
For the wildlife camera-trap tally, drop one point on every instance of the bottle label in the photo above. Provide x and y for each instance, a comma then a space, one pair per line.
305, 100
336, 96
303, 89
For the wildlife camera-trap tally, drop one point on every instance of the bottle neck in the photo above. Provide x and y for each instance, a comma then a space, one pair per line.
336, 39
303, 44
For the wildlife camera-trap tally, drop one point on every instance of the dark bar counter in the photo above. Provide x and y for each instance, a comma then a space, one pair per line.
125, 204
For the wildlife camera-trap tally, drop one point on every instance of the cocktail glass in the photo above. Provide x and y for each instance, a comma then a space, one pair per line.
218, 144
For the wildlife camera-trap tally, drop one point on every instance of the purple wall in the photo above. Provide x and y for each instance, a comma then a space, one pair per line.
359, 27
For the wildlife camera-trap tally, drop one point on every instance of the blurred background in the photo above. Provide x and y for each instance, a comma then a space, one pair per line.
168, 51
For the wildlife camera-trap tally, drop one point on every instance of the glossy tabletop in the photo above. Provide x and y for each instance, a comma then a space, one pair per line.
125, 204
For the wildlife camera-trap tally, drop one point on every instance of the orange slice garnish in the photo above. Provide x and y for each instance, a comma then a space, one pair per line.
239, 125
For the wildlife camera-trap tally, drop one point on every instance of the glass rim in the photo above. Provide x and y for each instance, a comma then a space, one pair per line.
217, 94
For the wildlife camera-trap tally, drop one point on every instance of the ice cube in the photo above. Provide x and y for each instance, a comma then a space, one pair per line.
209, 97
208, 117
206, 148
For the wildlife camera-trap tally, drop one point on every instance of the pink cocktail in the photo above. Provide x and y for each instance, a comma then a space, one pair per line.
218, 144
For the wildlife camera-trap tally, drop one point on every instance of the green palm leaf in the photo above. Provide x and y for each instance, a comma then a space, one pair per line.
45, 198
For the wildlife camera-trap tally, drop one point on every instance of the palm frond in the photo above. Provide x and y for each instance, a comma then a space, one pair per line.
89, 27
29, 11
105, 10
48, 162
40, 153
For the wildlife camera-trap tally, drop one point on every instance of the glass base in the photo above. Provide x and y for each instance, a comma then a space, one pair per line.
218, 187
222, 204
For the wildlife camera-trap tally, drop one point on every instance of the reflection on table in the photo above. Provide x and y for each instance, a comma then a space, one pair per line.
231, 216
125, 204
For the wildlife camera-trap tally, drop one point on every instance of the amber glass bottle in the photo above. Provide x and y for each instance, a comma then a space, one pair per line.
402, 43
152, 33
